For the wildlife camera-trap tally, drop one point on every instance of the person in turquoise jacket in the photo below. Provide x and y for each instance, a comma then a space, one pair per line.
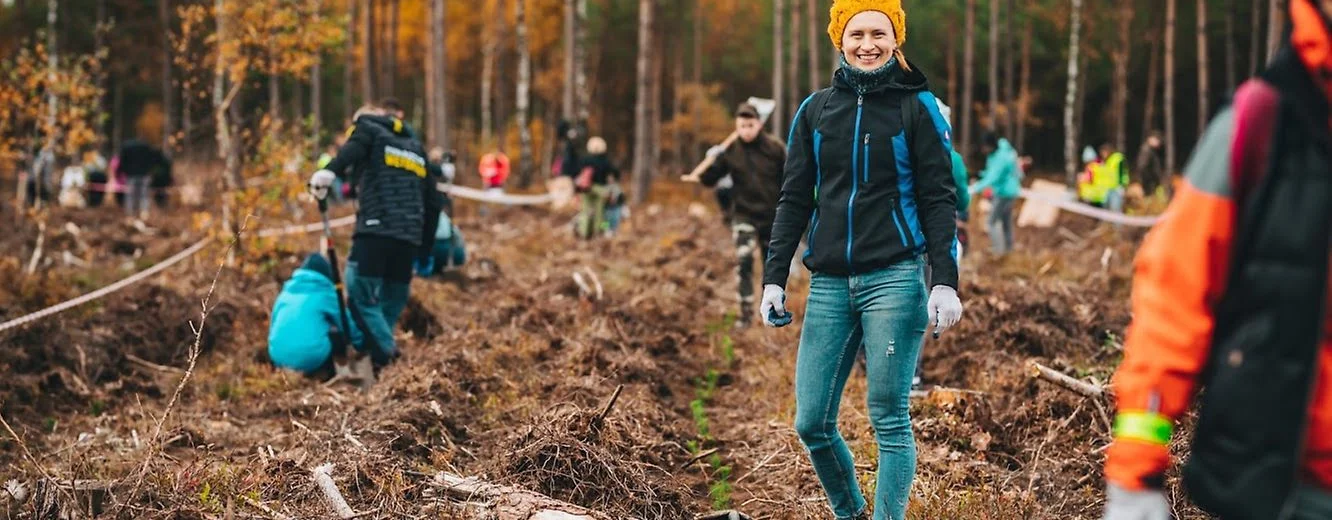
1002, 175
449, 250
305, 324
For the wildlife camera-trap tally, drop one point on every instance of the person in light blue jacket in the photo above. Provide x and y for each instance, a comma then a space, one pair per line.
448, 252
305, 326
1002, 175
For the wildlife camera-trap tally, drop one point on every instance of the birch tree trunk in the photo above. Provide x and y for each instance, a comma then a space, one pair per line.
52, 101
570, 33
968, 78
502, 69
1274, 20
1203, 94
654, 101
99, 47
793, 57
642, 125
223, 98
778, 65
1169, 74
583, 104
1121, 58
694, 103
348, 77
1153, 82
813, 37
274, 96
488, 52
994, 65
168, 87
437, 97
316, 96
524, 94
367, 53
52, 62
1070, 99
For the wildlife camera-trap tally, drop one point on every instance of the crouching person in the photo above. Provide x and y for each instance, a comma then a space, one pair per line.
441, 243
390, 168
305, 327
448, 252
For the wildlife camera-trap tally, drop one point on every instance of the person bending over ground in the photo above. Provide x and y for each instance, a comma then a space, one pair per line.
390, 167
305, 327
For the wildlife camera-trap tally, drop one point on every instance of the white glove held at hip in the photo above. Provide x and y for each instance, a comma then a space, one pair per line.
945, 310
774, 304
1126, 504
320, 182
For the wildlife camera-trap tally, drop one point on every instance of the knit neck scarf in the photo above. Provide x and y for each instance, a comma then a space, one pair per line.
865, 81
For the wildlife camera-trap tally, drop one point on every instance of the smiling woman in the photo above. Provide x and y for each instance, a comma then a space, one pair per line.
869, 174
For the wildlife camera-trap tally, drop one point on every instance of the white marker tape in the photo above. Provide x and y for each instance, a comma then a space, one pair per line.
159, 267
1092, 211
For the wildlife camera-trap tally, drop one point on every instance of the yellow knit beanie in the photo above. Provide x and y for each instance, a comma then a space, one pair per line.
843, 10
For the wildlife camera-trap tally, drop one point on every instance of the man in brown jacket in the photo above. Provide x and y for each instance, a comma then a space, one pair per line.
754, 162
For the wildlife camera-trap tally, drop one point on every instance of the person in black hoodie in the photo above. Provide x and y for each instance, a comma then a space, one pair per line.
143, 166
392, 178
869, 174
754, 164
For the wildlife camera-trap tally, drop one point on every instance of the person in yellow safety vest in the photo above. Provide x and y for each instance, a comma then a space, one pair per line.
1110, 177
1089, 164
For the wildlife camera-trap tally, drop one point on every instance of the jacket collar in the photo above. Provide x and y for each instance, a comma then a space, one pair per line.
391, 124
898, 79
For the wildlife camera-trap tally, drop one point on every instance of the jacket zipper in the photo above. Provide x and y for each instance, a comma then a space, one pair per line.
900, 222
865, 162
855, 187
908, 239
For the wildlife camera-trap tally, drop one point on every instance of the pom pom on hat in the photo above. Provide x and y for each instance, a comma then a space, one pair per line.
842, 11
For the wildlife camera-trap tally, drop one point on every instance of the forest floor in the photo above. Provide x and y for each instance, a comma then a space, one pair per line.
508, 366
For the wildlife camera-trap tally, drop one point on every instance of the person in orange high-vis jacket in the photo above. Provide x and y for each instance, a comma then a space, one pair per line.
1231, 293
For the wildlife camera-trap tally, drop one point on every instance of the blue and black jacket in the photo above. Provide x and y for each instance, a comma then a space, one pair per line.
869, 178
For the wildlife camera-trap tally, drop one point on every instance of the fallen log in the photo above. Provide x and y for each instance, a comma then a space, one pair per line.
510, 503
1065, 381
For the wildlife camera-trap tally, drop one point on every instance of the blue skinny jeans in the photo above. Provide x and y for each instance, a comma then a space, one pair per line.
885, 311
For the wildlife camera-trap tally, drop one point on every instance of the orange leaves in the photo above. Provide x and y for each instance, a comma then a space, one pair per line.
27, 84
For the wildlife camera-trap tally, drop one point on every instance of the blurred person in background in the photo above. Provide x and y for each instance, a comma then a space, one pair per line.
1231, 294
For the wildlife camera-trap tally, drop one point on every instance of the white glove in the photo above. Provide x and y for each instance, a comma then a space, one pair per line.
945, 309
716, 151
774, 304
1125, 504
450, 171
320, 182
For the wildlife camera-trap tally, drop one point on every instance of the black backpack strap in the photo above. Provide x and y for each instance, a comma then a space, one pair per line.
817, 102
